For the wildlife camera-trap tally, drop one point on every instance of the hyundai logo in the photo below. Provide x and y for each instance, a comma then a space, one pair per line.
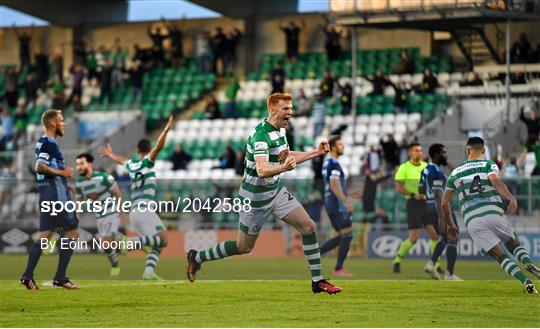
386, 245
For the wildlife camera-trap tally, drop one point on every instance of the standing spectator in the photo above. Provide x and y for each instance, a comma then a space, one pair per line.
405, 65
292, 33
58, 63
180, 158
533, 127
136, 77
41, 60
11, 79
77, 77
116, 57
230, 95
379, 82
30, 88
327, 84
218, 47
346, 98
105, 81
301, 104
91, 64
429, 82
158, 35
521, 51
203, 52
318, 110
102, 55
373, 161
212, 107
139, 54
400, 98
332, 43
229, 54
58, 88
24, 46
277, 77
21, 122
7, 127
228, 159
370, 195
176, 33
390, 151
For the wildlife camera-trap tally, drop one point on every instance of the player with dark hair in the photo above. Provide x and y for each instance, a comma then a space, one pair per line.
337, 205
432, 186
407, 178
147, 224
52, 177
100, 186
480, 191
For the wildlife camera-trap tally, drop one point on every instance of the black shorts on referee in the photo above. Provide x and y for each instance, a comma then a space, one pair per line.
417, 215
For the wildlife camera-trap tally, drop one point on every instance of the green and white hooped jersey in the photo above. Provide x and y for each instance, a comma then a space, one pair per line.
143, 179
265, 140
477, 197
101, 183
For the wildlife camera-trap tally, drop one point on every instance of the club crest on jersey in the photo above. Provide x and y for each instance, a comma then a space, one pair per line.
261, 146
283, 155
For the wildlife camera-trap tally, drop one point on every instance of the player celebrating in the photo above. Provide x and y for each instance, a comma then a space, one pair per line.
480, 189
147, 224
52, 178
100, 186
337, 205
407, 179
267, 156
432, 186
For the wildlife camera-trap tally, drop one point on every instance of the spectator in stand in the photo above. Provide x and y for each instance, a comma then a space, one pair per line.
390, 150
176, 34
231, 91
318, 115
11, 78
521, 51
158, 33
373, 161
30, 88
379, 82
59, 98
405, 65
7, 127
58, 63
301, 104
473, 79
77, 77
400, 97
102, 55
116, 57
136, 77
91, 64
180, 158
41, 60
139, 54
327, 84
229, 51
203, 52
239, 164
511, 174
370, 195
105, 82
218, 47
24, 46
20, 122
345, 98
212, 107
518, 78
429, 82
533, 127
228, 159
292, 33
277, 77
332, 43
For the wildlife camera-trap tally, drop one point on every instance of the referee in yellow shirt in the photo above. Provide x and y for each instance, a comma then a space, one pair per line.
407, 179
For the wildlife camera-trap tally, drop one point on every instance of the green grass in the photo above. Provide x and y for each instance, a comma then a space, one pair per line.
245, 292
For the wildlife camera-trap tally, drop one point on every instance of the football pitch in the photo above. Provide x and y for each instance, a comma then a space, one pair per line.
246, 292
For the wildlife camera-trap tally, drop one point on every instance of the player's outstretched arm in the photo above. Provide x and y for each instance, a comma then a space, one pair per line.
500, 187
264, 169
447, 215
300, 157
108, 152
161, 140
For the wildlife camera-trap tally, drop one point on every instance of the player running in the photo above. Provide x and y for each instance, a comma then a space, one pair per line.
480, 189
407, 179
52, 178
100, 186
432, 186
267, 156
147, 224
337, 205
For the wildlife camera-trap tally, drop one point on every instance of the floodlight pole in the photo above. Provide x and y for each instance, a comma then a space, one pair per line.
507, 80
353, 78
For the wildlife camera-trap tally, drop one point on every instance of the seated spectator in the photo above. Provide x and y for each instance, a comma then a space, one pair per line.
521, 51
277, 77
379, 82
429, 82
301, 104
405, 65
518, 78
533, 127
228, 159
180, 158
400, 98
327, 84
212, 107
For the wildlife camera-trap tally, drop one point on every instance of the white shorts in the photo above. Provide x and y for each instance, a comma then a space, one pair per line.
283, 203
145, 222
490, 230
108, 225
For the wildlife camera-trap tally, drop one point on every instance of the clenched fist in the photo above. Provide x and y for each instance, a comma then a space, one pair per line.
290, 163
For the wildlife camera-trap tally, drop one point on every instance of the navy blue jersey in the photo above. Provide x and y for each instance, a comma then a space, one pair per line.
51, 188
331, 169
432, 179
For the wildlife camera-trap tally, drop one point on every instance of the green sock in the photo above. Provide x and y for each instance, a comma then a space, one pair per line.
222, 250
511, 268
313, 255
152, 259
522, 255
403, 250
433, 245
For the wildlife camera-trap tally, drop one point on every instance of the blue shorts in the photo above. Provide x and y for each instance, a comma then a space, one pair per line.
64, 220
340, 220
